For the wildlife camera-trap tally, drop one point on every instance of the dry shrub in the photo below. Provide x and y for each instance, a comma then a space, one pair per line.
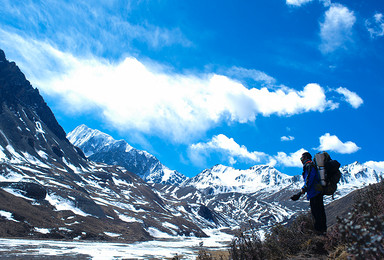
298, 237
361, 233
247, 246
280, 243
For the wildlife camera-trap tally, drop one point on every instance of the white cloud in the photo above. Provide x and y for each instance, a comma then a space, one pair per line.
291, 160
377, 166
351, 97
336, 29
225, 146
233, 152
375, 25
131, 95
332, 143
297, 2
287, 138
288, 101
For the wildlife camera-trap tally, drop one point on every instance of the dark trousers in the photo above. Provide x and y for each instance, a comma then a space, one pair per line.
318, 213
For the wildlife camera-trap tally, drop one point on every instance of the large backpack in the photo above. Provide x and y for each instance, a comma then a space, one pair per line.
329, 172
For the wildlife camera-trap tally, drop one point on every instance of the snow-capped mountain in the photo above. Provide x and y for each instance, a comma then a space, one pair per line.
260, 194
357, 175
224, 179
101, 147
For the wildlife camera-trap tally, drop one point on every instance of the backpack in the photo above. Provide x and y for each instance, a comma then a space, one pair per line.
329, 172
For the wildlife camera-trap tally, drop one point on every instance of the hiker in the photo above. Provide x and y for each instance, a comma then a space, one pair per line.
312, 187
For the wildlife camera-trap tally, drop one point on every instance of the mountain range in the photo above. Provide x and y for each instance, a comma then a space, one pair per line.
219, 179
86, 185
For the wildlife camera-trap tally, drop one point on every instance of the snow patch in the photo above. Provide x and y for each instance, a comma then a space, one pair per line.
42, 230
42, 154
110, 234
7, 215
154, 232
129, 219
63, 204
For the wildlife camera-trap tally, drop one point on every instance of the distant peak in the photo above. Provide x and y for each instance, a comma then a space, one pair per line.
2, 55
85, 129
83, 126
356, 163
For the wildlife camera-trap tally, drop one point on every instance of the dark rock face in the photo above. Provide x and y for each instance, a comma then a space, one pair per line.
28, 189
89, 206
27, 123
206, 213
16, 89
2, 56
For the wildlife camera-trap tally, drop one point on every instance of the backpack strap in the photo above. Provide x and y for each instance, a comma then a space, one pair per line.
307, 167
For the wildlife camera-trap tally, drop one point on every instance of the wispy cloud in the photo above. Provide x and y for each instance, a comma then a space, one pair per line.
287, 138
255, 75
297, 2
332, 143
336, 29
375, 25
85, 27
351, 97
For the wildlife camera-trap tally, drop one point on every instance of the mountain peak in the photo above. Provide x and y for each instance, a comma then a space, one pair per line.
101, 147
16, 91
223, 179
83, 134
2, 55
29, 129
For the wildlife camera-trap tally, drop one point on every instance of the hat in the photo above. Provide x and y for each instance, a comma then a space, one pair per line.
306, 155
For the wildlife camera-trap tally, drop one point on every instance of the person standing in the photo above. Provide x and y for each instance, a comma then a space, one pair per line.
313, 188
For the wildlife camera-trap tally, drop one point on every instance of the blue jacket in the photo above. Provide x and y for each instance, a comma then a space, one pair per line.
312, 185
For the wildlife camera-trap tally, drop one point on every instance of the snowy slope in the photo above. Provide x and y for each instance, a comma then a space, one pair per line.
101, 147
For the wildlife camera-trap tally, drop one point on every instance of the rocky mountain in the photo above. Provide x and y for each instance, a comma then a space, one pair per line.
101, 147
49, 189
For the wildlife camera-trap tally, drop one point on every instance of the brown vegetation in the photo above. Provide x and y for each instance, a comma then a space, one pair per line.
356, 235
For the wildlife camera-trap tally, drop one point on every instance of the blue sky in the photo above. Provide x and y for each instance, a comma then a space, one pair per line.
199, 83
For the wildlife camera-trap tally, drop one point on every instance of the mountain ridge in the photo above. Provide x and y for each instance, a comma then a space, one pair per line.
84, 199
101, 147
